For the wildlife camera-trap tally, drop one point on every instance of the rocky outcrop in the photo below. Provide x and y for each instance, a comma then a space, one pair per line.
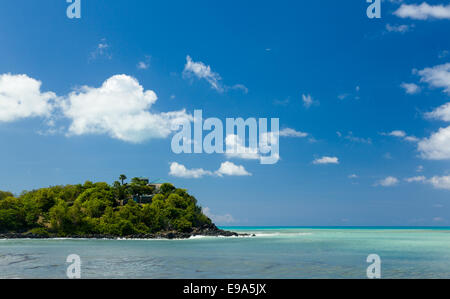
207, 230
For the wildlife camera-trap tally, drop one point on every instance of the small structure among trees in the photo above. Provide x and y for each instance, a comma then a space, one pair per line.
140, 190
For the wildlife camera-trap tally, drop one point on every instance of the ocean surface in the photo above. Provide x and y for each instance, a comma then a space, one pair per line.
274, 253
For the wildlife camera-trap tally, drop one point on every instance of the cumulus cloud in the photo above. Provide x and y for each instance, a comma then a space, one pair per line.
120, 109
226, 219
437, 76
401, 134
231, 169
410, 88
388, 182
423, 11
441, 113
437, 146
178, 170
440, 182
21, 97
326, 160
234, 142
226, 169
236, 147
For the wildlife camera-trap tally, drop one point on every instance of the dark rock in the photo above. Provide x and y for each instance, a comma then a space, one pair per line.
206, 230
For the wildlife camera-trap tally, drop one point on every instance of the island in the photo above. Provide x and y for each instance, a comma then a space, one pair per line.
135, 210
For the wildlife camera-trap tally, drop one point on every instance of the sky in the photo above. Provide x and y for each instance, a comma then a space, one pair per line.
363, 104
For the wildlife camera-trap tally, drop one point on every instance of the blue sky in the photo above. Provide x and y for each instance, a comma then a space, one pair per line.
370, 94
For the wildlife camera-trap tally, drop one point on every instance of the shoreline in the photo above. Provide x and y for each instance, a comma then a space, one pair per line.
169, 235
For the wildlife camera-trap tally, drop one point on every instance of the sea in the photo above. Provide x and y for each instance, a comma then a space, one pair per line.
273, 253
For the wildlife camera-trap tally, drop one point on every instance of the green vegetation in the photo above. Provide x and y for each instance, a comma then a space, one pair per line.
101, 209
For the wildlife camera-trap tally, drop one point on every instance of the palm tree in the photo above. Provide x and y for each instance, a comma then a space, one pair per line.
122, 178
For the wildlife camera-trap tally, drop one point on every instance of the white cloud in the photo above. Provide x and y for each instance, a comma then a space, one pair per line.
356, 139
102, 50
202, 71
226, 169
416, 179
240, 87
326, 160
442, 182
142, 65
401, 134
412, 139
397, 133
178, 170
344, 96
119, 108
288, 132
437, 146
398, 28
236, 147
437, 76
231, 169
410, 88
423, 11
240, 150
226, 219
21, 97
308, 100
353, 176
438, 182
388, 182
441, 113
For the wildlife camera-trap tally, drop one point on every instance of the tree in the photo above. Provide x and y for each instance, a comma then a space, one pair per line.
4, 195
167, 188
122, 178
92, 208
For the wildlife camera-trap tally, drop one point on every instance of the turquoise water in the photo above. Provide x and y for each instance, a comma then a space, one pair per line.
273, 253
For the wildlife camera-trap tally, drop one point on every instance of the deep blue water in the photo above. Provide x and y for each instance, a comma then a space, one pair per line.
275, 252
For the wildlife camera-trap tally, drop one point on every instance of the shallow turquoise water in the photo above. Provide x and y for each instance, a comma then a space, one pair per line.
273, 253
